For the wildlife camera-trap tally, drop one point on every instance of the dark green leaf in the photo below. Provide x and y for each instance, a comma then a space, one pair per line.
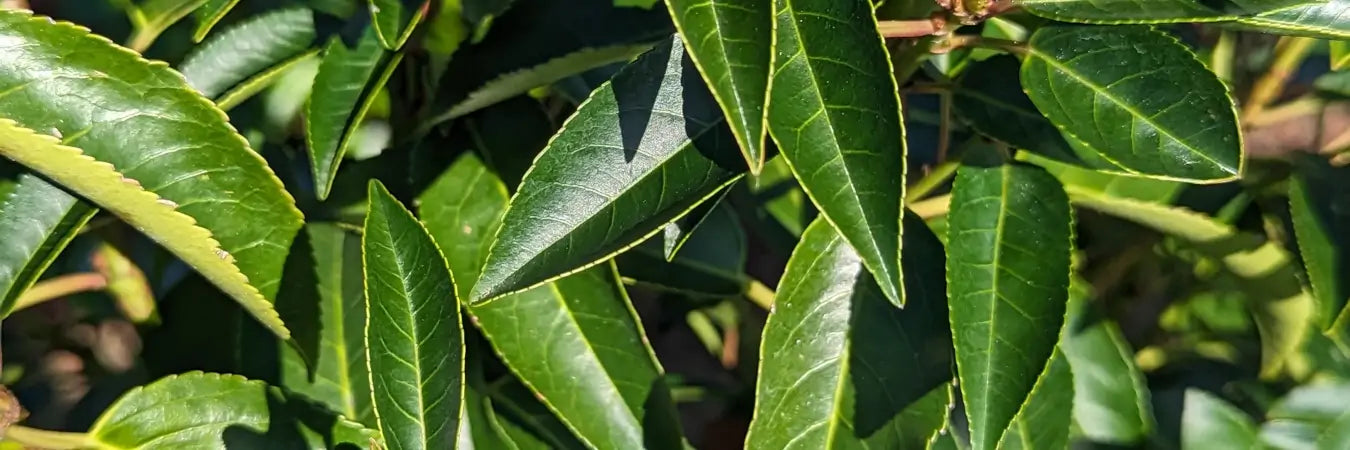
712, 264
1043, 422
731, 43
1111, 402
249, 50
678, 233
414, 338
1151, 11
209, 14
645, 149
206, 410
844, 141
344, 89
1008, 243
1208, 422
394, 20
1325, 19
37, 220
839, 360
1319, 204
990, 98
1094, 81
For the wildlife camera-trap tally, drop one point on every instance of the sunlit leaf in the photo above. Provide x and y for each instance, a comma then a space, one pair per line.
126, 284
37, 220
1208, 422
1324, 19
1151, 11
1043, 421
250, 54
1111, 401
344, 90
209, 14
394, 20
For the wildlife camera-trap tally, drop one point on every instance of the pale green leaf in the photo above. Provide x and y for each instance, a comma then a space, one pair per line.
1325, 19
1111, 401
209, 14
1208, 422
1340, 55
1043, 421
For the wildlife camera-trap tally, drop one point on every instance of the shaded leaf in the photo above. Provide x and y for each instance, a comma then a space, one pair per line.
126, 284
1340, 55
209, 14
463, 210
206, 410
730, 42
838, 365
712, 265
1111, 402
152, 17
262, 45
1043, 421
1009, 240
1324, 19
678, 233
1208, 422
183, 151
344, 90
1319, 205
1151, 11
990, 98
37, 220
843, 141
1090, 81
414, 338
645, 149
394, 20
1150, 190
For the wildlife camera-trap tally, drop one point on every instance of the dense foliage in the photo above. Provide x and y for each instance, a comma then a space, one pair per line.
620, 224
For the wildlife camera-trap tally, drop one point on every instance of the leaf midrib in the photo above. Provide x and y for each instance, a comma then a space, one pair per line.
412, 330
1005, 182
714, 6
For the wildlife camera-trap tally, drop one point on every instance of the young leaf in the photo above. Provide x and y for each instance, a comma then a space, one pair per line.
1043, 421
1319, 206
1009, 239
1151, 11
1111, 402
394, 20
1138, 98
209, 14
207, 410
844, 141
37, 220
264, 44
730, 42
414, 338
1208, 422
577, 344
990, 98
1325, 19
643, 150
344, 89
838, 364
163, 136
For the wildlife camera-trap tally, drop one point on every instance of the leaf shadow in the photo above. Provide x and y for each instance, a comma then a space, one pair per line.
291, 421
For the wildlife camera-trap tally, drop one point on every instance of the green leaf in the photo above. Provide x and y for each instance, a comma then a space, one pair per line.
126, 284
1340, 55
1319, 205
1321, 19
207, 410
1009, 240
1043, 421
1111, 401
1110, 184
845, 142
539, 42
394, 20
1151, 11
526, 422
1208, 422
1093, 81
838, 359
37, 220
414, 338
209, 14
344, 90
731, 43
262, 46
463, 209
151, 17
712, 265
642, 151
991, 100
678, 233
183, 151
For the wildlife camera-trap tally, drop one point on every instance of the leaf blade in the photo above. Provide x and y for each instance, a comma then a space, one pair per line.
209, 14
38, 220
344, 90
248, 49
1151, 11
1316, 19
1318, 195
394, 20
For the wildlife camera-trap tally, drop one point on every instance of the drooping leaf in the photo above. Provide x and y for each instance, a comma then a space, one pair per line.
207, 410
731, 43
1209, 422
414, 338
1151, 11
645, 149
538, 42
1136, 97
843, 141
990, 98
37, 220
1111, 402
712, 265
182, 150
209, 14
838, 364
1043, 421
255, 50
1009, 235
344, 90
1325, 19
394, 20
1319, 204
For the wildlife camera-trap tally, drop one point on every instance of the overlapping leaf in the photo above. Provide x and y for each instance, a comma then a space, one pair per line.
1319, 205
990, 98
643, 150
394, 20
1136, 97
1043, 421
1209, 422
1151, 11
1340, 55
209, 14
1009, 235
37, 220
678, 232
730, 42
152, 17
711, 265
1111, 402
1326, 19
256, 50
844, 141
344, 89
838, 359
414, 338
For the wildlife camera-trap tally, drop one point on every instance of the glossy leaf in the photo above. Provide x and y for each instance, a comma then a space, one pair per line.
209, 14
37, 220
730, 42
414, 338
394, 20
1326, 19
463, 209
152, 17
1209, 422
184, 152
206, 410
344, 90
712, 265
1111, 401
249, 50
1319, 205
1151, 11
843, 141
645, 149
1043, 421
991, 100
1093, 81
838, 359
1009, 234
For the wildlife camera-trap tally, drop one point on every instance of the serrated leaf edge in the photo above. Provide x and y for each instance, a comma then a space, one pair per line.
208, 19
325, 177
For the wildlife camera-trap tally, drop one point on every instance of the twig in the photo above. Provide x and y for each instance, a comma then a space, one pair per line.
60, 287
50, 440
1289, 54
759, 294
